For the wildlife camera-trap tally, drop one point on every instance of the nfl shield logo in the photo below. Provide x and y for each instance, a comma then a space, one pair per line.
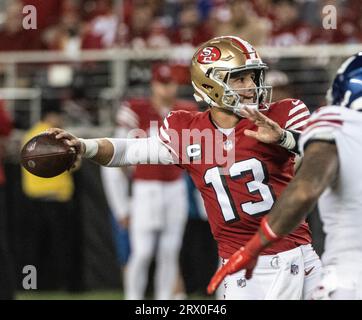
241, 282
228, 145
294, 269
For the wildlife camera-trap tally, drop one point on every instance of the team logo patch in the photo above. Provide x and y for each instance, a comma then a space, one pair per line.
209, 55
307, 272
241, 282
228, 145
294, 269
274, 263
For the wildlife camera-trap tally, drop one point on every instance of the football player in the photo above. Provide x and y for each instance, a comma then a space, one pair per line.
239, 177
331, 142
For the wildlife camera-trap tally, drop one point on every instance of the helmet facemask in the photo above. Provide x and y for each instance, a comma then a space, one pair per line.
232, 98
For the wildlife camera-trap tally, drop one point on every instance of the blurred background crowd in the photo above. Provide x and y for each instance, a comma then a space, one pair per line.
73, 25
83, 68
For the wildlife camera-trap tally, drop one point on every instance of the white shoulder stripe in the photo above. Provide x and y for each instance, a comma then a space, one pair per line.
164, 134
298, 125
296, 118
297, 108
165, 122
167, 146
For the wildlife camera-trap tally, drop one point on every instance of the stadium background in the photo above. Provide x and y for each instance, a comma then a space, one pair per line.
87, 55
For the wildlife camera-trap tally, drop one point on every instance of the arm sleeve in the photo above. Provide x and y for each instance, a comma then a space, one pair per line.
115, 184
322, 126
139, 151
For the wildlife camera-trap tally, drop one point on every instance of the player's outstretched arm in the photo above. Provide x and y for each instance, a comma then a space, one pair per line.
101, 151
118, 152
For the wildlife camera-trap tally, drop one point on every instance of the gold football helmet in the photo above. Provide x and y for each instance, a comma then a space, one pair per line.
219, 59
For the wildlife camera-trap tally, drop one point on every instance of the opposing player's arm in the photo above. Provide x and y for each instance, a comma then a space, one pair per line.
118, 152
318, 170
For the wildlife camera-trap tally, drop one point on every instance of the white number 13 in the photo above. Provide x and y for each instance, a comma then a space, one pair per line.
239, 169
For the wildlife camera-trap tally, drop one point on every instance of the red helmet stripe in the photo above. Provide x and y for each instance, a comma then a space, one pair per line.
243, 47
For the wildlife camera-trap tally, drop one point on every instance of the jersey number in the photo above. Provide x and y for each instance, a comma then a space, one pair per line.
217, 180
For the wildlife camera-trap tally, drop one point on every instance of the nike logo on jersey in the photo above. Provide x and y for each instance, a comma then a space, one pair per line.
296, 102
306, 272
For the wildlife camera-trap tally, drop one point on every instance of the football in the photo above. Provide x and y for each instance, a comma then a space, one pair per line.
46, 157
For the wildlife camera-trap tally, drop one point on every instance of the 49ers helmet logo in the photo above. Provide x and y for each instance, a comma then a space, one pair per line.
208, 55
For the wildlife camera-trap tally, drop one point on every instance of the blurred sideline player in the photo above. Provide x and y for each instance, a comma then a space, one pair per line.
331, 142
157, 212
117, 199
241, 178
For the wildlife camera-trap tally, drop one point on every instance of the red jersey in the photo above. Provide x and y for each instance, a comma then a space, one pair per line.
240, 189
140, 114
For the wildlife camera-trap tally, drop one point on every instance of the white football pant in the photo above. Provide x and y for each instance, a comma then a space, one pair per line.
289, 275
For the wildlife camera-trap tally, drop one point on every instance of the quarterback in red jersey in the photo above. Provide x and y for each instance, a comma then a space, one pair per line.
239, 177
237, 190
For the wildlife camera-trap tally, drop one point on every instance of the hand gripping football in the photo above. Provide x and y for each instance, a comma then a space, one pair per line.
46, 157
